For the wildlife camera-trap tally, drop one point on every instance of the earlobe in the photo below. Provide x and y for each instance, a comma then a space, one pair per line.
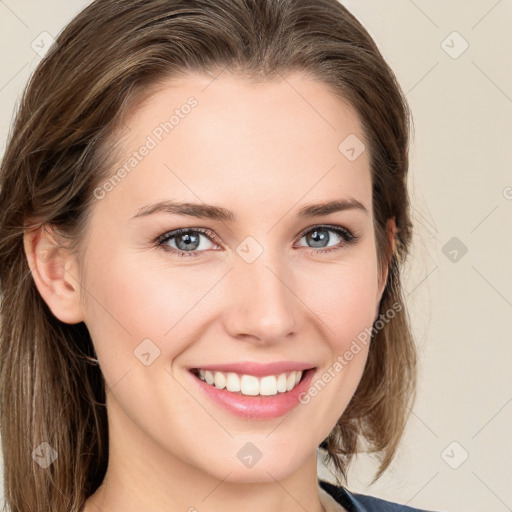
55, 275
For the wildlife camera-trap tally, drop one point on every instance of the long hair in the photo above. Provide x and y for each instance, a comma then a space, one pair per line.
61, 147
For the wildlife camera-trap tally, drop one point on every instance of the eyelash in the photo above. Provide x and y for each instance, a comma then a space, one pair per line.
348, 237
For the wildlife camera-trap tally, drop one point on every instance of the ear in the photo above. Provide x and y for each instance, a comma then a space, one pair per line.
55, 274
390, 232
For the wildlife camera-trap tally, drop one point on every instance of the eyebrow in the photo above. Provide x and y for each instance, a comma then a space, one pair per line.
208, 211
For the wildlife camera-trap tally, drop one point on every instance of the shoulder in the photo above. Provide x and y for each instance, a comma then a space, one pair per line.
354, 502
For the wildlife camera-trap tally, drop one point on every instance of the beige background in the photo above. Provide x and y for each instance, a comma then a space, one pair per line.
461, 186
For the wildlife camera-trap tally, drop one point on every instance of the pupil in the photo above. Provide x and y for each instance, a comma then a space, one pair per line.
188, 241
318, 236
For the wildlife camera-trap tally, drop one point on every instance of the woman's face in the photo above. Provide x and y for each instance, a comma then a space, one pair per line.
247, 283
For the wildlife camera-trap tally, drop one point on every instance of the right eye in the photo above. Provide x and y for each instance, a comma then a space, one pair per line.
185, 242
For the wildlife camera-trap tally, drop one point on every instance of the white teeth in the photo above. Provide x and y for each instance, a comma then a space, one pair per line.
290, 382
220, 380
208, 377
233, 382
268, 386
249, 384
281, 383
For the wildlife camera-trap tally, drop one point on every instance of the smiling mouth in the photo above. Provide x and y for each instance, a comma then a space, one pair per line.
251, 385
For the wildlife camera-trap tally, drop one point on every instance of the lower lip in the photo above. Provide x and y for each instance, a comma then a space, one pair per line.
257, 407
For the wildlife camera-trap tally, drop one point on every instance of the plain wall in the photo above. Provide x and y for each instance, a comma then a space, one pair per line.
457, 450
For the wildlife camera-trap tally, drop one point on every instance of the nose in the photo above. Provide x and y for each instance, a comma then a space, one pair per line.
262, 306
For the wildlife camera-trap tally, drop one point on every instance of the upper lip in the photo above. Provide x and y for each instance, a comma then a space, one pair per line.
257, 369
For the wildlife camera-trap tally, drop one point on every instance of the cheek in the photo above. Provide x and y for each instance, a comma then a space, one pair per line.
131, 302
344, 297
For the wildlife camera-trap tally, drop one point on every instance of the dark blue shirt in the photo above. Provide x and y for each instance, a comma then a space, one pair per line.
361, 503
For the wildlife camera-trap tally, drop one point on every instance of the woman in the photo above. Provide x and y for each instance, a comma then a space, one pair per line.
204, 218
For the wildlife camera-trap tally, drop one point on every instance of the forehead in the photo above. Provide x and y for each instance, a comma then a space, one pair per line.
225, 138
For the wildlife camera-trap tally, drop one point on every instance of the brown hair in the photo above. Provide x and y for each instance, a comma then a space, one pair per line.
60, 148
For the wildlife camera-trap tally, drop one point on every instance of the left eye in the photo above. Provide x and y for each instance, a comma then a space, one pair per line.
187, 242
320, 234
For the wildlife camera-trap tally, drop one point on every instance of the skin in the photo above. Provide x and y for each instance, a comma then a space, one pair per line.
262, 151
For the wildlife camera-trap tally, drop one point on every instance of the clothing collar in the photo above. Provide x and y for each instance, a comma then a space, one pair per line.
342, 496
